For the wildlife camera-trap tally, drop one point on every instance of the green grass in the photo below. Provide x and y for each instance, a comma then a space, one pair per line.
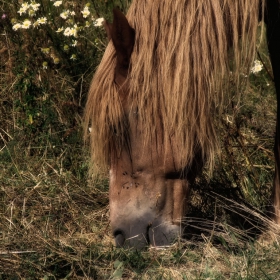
54, 219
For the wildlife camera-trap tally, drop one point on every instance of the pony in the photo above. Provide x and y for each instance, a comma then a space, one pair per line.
153, 100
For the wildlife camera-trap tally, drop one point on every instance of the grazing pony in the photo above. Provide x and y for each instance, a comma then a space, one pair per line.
153, 100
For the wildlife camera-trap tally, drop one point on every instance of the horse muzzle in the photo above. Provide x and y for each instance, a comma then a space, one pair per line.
144, 231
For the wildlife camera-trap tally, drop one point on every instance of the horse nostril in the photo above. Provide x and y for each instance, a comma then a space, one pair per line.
119, 238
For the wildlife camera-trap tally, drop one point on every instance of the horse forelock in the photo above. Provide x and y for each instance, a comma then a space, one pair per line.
179, 73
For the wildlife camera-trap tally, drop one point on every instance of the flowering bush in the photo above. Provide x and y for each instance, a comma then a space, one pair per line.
50, 51
68, 20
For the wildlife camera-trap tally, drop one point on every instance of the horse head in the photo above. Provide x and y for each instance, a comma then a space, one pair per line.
147, 192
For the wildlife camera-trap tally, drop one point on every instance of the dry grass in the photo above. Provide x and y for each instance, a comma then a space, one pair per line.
54, 220
54, 226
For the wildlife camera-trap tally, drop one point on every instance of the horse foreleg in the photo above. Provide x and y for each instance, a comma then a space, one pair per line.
272, 19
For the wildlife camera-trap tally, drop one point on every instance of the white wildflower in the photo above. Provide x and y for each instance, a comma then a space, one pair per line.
57, 3
98, 22
26, 24
74, 43
85, 12
24, 7
65, 14
16, 26
36, 24
34, 6
31, 13
22, 11
73, 57
59, 30
75, 30
257, 67
67, 31
42, 20
72, 13
71, 31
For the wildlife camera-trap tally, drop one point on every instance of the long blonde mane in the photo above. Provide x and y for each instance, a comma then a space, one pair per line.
186, 54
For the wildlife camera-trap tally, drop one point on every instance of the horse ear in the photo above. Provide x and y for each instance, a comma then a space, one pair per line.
123, 37
108, 27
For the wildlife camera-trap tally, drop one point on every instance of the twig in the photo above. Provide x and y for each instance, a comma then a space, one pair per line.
16, 252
